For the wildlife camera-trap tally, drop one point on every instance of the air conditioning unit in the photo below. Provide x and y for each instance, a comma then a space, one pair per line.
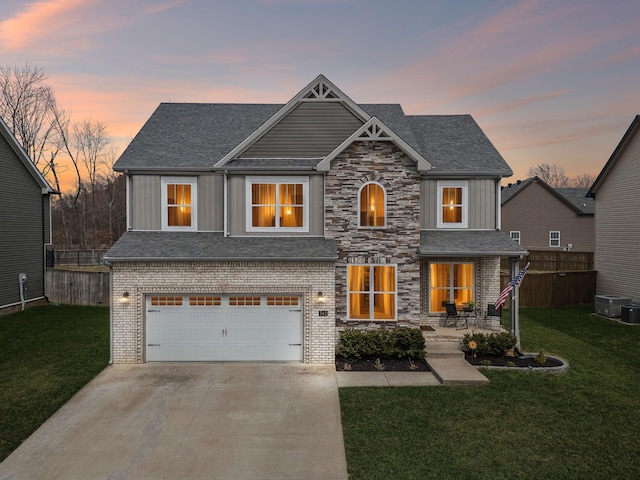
630, 313
610, 305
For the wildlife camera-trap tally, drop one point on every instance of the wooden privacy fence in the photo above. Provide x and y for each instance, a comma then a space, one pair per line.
77, 288
554, 261
554, 289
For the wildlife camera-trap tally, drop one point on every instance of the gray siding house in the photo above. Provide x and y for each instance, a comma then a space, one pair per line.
257, 232
617, 218
541, 217
25, 226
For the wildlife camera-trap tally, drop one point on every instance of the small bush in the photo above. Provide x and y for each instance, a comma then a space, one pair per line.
501, 343
485, 363
400, 342
490, 344
541, 358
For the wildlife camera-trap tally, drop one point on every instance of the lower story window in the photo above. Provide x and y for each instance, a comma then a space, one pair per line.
554, 238
450, 282
371, 292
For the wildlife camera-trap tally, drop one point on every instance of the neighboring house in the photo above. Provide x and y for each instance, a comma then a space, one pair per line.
617, 218
255, 232
25, 226
540, 217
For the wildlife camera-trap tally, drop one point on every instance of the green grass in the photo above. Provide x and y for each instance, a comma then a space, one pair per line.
47, 354
584, 424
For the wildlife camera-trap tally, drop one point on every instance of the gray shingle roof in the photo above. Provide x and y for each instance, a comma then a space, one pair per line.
214, 246
468, 243
577, 196
573, 197
194, 136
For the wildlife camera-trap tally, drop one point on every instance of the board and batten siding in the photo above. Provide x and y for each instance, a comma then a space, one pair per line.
311, 130
617, 219
238, 206
482, 204
146, 202
22, 231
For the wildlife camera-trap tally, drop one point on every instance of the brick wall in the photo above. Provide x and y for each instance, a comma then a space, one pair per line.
143, 278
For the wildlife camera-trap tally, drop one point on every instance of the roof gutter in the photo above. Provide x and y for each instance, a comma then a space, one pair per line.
220, 259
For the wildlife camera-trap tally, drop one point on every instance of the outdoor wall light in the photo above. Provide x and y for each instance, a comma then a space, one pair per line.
321, 297
124, 298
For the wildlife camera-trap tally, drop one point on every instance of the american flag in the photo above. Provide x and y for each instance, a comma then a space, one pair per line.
502, 298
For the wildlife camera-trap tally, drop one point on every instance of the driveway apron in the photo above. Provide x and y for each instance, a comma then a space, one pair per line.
192, 421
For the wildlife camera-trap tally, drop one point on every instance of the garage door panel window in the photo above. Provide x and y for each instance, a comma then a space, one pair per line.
282, 301
450, 282
166, 301
244, 301
372, 292
204, 301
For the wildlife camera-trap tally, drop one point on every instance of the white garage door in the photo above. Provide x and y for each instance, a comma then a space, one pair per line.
195, 328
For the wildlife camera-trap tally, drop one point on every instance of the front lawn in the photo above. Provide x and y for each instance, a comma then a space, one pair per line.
47, 354
584, 424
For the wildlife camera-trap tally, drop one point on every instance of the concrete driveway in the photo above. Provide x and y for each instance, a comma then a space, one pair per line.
192, 421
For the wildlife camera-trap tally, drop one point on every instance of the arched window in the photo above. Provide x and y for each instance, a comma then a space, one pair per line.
373, 205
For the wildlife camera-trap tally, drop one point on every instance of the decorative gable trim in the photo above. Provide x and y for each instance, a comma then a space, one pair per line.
319, 90
375, 130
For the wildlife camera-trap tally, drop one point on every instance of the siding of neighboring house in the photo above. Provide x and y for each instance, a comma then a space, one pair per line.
310, 130
482, 204
24, 229
535, 211
617, 257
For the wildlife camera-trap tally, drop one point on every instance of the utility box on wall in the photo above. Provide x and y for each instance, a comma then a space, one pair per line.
610, 305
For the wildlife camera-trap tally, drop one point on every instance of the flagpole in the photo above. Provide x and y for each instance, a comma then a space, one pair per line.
513, 307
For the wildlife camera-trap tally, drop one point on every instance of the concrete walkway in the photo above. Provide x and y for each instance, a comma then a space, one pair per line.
192, 421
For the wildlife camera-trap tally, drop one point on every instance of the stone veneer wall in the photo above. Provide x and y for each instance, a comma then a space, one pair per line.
143, 278
487, 287
384, 163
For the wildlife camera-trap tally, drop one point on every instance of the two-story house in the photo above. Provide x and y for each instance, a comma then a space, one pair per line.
255, 231
541, 217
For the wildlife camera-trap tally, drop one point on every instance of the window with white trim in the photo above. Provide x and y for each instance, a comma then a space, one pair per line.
450, 282
179, 196
453, 209
372, 205
515, 235
278, 204
371, 292
554, 238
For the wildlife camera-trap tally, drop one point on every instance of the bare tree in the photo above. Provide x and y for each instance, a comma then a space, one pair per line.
90, 141
553, 175
27, 104
584, 180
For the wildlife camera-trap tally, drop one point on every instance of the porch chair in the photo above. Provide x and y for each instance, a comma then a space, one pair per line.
490, 317
452, 313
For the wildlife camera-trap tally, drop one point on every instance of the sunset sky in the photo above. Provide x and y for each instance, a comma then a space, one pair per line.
548, 81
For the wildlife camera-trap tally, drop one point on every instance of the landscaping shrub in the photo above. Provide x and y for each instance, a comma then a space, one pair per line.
490, 344
400, 342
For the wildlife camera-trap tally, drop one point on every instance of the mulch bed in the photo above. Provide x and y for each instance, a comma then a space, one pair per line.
390, 365
519, 361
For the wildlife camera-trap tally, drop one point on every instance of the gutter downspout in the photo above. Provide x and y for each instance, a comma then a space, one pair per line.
498, 205
110, 314
225, 203
128, 198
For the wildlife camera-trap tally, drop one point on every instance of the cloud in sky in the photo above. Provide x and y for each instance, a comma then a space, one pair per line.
539, 76
40, 22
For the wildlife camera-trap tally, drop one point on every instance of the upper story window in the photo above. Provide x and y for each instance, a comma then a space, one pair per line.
372, 205
178, 203
515, 235
554, 239
278, 204
453, 206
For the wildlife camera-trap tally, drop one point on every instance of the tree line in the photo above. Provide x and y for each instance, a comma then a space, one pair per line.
91, 214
